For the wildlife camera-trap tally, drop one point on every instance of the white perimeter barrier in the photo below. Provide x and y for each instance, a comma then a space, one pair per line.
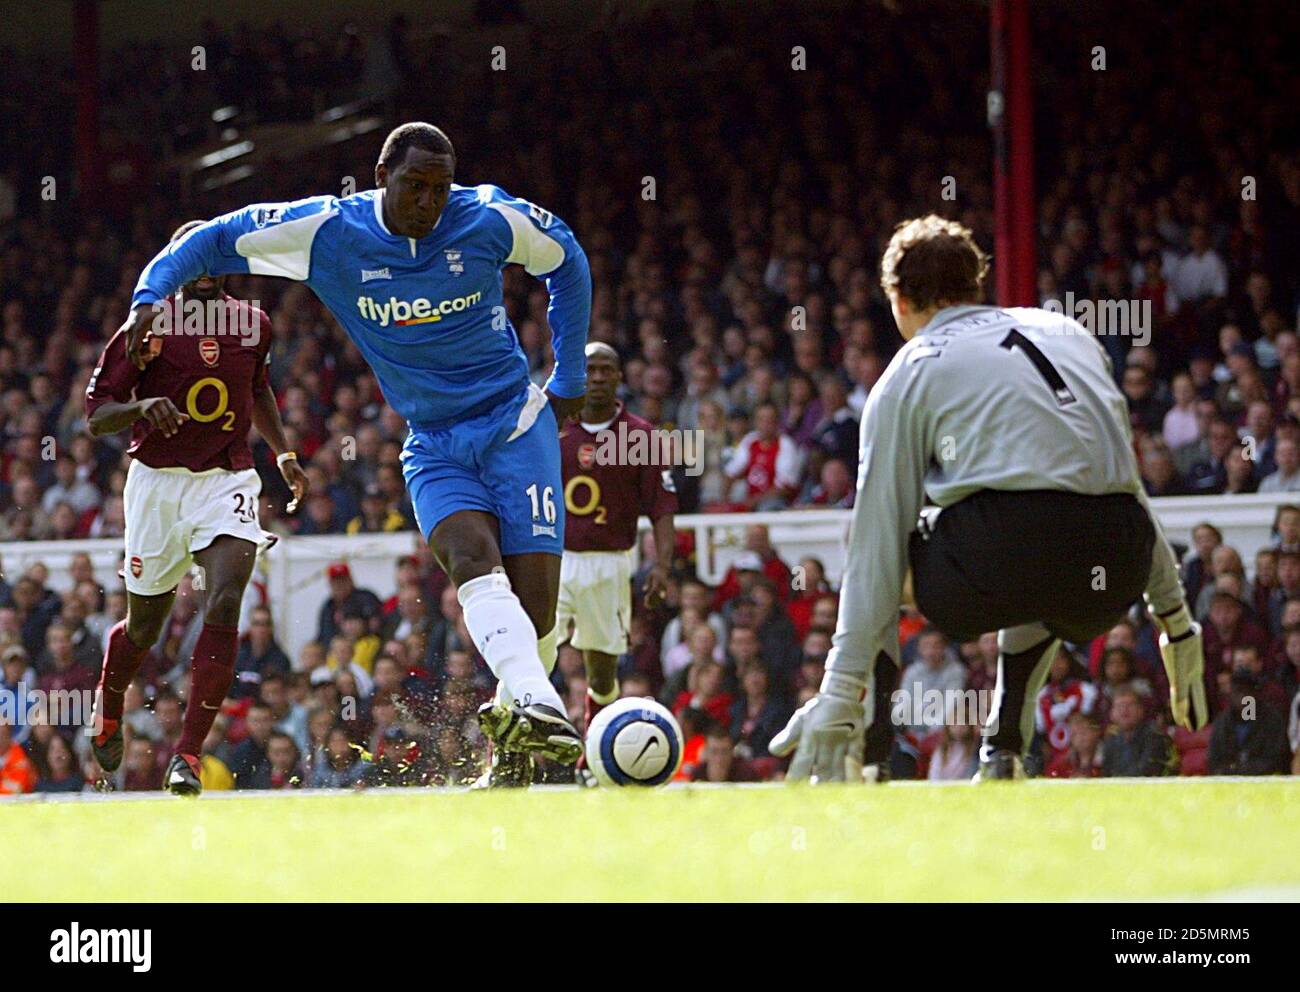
294, 570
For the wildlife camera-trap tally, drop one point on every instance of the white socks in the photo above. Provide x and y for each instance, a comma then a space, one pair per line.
507, 640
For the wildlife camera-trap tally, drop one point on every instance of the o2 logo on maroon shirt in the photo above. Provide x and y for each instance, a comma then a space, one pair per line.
586, 455
209, 351
137, 566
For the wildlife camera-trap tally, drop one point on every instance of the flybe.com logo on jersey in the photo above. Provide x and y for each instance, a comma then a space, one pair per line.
403, 313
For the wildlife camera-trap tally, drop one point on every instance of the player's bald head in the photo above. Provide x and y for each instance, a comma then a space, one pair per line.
602, 351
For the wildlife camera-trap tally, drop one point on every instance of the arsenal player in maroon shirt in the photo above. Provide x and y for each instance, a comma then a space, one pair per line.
603, 497
191, 494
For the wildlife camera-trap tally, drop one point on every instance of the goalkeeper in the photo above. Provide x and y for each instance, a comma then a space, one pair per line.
1037, 526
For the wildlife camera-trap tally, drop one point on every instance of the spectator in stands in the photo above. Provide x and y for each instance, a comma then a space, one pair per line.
59, 771
140, 770
379, 514
1083, 758
956, 755
1065, 692
15, 673
344, 594
705, 690
1209, 477
1228, 628
1286, 528
78, 493
931, 677
259, 657
835, 488
694, 596
768, 461
719, 762
1119, 674
756, 716
1288, 588
696, 645
170, 719
1134, 748
249, 762
287, 717
1224, 561
17, 772
282, 756
411, 615
758, 556
1241, 472
1287, 477
1200, 274
363, 646
1179, 426
61, 673
1247, 658
1265, 583
1159, 475
777, 639
338, 765
836, 436
1249, 737
1196, 566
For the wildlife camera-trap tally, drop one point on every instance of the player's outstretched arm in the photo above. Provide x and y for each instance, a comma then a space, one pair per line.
896, 442
546, 248
272, 239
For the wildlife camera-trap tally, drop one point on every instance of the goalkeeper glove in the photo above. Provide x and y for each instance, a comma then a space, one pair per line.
826, 732
1180, 647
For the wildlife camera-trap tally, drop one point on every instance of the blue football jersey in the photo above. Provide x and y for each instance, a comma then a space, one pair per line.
426, 313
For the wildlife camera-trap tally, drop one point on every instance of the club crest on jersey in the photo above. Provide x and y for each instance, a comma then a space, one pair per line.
267, 215
586, 455
137, 565
209, 351
454, 265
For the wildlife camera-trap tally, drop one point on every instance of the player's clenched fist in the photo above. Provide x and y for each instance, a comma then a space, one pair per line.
295, 478
141, 346
825, 731
161, 412
566, 407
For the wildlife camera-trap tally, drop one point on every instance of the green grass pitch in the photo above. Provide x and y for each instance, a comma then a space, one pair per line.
1037, 840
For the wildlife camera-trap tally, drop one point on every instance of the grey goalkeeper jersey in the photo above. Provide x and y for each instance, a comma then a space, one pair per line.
980, 398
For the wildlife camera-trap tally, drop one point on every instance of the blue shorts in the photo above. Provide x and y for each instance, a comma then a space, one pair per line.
505, 462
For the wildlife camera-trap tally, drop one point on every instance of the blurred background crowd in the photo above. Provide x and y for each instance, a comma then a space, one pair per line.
734, 208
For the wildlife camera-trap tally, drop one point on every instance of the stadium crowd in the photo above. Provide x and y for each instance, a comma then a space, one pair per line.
742, 295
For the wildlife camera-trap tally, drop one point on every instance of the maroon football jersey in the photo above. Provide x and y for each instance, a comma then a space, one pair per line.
209, 376
603, 494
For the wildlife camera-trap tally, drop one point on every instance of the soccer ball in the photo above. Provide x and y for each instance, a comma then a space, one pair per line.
634, 741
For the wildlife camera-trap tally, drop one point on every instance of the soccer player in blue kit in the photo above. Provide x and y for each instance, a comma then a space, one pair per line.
412, 270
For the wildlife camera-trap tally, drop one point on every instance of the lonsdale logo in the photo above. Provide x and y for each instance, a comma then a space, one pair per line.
404, 313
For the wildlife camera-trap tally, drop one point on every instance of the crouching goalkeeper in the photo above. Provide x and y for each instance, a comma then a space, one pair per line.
996, 463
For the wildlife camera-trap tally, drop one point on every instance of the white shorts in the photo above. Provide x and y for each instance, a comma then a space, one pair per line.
596, 594
173, 512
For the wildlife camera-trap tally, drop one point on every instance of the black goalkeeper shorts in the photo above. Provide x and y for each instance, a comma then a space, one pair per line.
1000, 559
